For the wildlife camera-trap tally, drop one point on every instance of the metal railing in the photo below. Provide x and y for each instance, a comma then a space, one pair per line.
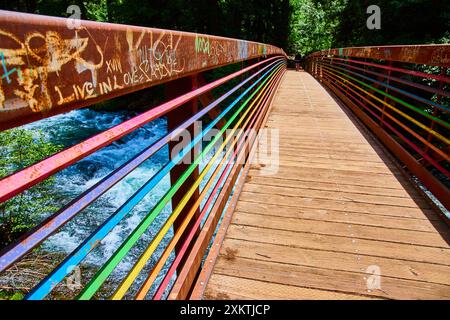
76, 68
402, 94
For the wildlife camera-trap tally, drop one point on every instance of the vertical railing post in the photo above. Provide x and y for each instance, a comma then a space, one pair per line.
330, 59
383, 112
435, 110
346, 82
174, 118
315, 67
323, 61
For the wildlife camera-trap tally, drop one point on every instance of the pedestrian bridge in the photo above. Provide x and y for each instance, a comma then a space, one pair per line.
338, 211
330, 182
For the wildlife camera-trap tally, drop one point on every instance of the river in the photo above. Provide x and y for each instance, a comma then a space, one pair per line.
75, 126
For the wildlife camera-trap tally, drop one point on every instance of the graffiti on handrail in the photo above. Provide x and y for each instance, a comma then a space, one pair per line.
48, 68
34, 64
40, 55
212, 51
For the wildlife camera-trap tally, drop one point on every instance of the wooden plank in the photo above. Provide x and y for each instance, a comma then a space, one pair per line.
304, 163
367, 219
340, 133
333, 280
228, 287
291, 159
361, 147
343, 205
338, 176
394, 268
341, 244
332, 154
337, 195
343, 148
350, 230
326, 186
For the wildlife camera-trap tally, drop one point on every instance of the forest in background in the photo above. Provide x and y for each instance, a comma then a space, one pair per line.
298, 26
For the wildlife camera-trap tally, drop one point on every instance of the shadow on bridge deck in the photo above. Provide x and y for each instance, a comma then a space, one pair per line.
336, 214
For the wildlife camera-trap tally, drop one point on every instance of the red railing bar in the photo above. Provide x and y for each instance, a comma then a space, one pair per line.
28, 177
406, 140
212, 194
377, 83
386, 76
430, 54
401, 70
433, 184
192, 263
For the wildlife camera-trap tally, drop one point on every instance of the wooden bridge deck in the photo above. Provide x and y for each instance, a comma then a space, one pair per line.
337, 206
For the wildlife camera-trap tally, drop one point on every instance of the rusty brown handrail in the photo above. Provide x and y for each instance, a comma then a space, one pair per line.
430, 54
50, 68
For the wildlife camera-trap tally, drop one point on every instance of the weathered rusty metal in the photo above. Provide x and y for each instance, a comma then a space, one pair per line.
434, 55
174, 119
49, 66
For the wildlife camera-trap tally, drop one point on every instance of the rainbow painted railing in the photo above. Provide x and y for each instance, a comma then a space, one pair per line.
401, 93
44, 53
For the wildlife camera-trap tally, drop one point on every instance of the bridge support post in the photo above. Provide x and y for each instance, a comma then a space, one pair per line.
315, 67
174, 118
438, 100
385, 99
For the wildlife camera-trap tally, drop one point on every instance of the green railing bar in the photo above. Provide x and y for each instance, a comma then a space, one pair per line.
100, 277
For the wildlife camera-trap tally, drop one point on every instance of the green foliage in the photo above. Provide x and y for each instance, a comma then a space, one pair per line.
17, 296
313, 24
20, 148
264, 21
11, 296
402, 22
323, 24
97, 10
